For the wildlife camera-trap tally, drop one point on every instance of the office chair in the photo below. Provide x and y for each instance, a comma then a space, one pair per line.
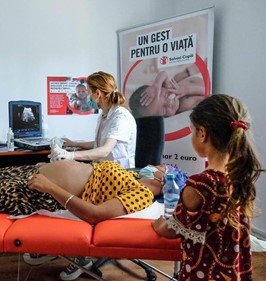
149, 150
150, 141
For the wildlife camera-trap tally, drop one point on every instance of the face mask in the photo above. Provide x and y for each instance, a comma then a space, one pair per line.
93, 104
147, 172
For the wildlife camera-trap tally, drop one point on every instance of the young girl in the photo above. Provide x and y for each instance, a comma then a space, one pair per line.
213, 213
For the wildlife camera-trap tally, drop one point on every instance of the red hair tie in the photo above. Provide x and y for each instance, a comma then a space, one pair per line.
239, 124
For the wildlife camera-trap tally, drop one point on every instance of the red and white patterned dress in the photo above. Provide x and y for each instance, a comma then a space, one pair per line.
211, 249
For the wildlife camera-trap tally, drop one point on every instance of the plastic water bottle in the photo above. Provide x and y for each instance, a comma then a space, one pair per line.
171, 194
10, 140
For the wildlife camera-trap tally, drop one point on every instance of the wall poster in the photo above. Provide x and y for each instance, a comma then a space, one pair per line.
166, 69
67, 95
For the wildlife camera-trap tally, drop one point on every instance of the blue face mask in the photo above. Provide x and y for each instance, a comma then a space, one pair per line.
180, 177
148, 172
93, 104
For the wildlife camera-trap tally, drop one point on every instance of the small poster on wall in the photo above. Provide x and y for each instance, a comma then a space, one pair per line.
165, 70
67, 95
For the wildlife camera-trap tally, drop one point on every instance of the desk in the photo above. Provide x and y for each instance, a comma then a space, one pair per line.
26, 157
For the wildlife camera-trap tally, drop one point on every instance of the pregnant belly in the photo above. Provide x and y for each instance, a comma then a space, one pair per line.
70, 175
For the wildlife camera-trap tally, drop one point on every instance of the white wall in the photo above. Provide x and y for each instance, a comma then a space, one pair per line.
41, 38
60, 38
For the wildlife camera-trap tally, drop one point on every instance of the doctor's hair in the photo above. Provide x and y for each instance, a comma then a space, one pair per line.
219, 115
106, 83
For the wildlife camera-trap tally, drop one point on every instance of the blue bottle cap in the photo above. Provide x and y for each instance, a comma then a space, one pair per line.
170, 176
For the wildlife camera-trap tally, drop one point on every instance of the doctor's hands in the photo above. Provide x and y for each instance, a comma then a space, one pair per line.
68, 143
58, 153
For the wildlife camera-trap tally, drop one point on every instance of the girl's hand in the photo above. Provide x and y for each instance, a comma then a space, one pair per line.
158, 224
161, 227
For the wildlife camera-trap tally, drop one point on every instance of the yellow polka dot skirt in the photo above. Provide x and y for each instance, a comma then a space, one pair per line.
110, 180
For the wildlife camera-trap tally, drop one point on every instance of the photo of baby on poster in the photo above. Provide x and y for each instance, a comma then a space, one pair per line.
67, 95
165, 70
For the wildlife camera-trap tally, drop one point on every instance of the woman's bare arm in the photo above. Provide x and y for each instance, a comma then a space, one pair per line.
98, 152
80, 144
84, 210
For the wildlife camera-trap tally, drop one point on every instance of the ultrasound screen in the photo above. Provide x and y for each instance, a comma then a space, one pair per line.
25, 118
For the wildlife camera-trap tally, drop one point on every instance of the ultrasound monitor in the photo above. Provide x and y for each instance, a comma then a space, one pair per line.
25, 118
